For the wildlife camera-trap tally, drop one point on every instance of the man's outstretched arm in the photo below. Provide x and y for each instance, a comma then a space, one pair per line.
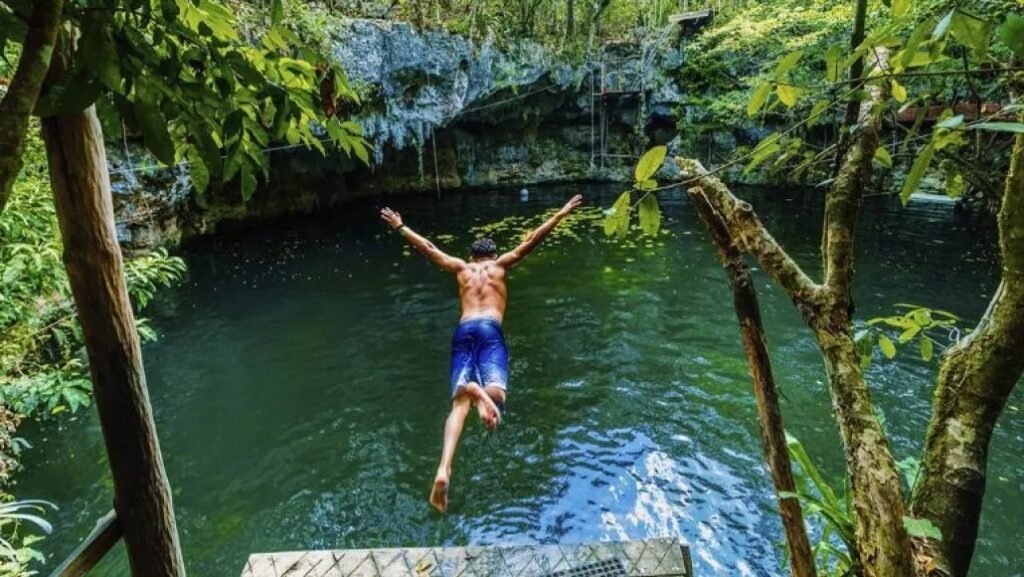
515, 255
438, 256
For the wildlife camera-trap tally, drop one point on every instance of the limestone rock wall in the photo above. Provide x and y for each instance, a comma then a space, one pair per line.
493, 117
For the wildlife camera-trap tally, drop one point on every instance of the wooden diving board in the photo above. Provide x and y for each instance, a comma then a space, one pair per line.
661, 557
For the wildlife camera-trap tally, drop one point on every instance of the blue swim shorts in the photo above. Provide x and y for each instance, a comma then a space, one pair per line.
479, 354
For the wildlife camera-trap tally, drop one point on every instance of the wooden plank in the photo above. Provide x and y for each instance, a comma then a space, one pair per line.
100, 541
662, 557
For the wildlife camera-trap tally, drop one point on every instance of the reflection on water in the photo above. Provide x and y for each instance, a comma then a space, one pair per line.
300, 385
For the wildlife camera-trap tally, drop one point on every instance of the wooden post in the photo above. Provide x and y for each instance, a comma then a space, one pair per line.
81, 191
773, 436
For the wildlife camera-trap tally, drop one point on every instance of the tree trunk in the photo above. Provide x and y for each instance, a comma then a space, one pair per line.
81, 190
773, 435
883, 545
17, 105
974, 382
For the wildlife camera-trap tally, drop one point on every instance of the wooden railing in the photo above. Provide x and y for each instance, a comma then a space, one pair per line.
100, 541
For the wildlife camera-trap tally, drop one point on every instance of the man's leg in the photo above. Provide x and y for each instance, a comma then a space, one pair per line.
452, 431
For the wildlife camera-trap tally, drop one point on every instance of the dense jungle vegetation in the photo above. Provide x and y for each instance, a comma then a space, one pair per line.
925, 98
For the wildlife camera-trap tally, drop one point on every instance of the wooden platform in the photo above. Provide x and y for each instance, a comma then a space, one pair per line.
645, 558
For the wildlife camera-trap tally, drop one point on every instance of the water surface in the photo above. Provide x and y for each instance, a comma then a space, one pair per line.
300, 384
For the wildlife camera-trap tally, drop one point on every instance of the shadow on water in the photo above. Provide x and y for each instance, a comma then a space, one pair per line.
300, 384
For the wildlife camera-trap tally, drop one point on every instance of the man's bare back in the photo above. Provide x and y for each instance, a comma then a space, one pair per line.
479, 354
482, 290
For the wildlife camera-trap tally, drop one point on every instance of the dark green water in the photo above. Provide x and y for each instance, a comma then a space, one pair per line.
300, 384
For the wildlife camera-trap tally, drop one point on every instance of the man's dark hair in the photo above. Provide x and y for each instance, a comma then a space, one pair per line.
483, 247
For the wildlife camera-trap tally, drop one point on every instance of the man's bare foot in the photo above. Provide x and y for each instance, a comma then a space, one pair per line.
489, 413
439, 492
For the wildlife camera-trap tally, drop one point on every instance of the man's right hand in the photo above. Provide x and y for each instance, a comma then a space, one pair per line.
391, 217
573, 203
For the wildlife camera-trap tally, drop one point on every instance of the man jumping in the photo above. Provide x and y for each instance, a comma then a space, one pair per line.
479, 373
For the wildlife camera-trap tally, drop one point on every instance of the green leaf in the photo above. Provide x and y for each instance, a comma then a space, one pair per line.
917, 171
832, 56
248, 182
198, 172
909, 333
1011, 32
926, 348
757, 99
911, 469
951, 122
352, 127
882, 156
899, 8
887, 346
787, 63
154, 131
649, 163
650, 215
921, 528
1000, 126
816, 112
943, 26
276, 12
649, 184
916, 37
617, 221
971, 31
955, 184
362, 151
898, 91
100, 55
787, 94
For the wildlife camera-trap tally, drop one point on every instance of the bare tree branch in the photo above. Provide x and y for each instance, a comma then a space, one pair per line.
751, 235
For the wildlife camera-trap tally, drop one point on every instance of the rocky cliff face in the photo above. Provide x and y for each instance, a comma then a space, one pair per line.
441, 113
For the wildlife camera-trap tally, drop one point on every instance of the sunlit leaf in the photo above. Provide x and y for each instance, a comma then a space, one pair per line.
971, 31
758, 98
650, 162
650, 215
887, 346
882, 156
899, 8
910, 333
926, 348
898, 91
787, 94
617, 221
787, 63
